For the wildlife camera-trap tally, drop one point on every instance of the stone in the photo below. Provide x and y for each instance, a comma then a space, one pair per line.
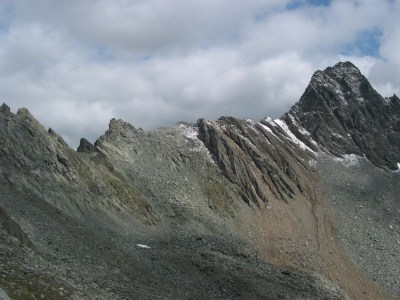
85, 146
5, 109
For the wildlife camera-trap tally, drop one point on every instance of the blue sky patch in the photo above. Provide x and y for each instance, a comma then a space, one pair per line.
366, 43
300, 3
7, 12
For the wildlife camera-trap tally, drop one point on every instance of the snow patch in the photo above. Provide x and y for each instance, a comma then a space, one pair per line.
349, 160
267, 129
270, 121
337, 135
252, 125
143, 246
291, 136
191, 133
398, 168
302, 130
188, 131
247, 140
312, 163
251, 121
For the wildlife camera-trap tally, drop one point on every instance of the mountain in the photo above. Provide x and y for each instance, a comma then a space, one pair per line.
301, 207
345, 115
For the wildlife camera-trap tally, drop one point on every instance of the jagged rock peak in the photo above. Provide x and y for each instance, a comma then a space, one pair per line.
57, 136
118, 129
24, 112
340, 69
346, 82
343, 68
345, 115
394, 98
86, 146
4, 108
121, 125
117, 123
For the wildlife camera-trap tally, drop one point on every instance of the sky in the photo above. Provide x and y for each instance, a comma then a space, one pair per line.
76, 64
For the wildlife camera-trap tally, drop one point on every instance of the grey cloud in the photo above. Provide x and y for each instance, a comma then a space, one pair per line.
146, 27
386, 78
314, 30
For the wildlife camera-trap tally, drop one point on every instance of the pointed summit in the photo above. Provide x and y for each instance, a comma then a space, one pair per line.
345, 115
4, 108
344, 68
340, 85
339, 71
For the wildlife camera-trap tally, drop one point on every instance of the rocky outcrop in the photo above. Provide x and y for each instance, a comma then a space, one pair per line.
258, 157
13, 230
86, 146
343, 113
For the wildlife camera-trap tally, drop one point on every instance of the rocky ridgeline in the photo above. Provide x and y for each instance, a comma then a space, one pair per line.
80, 215
39, 160
339, 113
203, 195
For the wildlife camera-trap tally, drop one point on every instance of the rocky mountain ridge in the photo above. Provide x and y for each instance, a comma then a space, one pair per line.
225, 209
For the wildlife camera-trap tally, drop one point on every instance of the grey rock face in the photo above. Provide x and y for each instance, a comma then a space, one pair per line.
4, 108
344, 115
258, 158
85, 146
13, 229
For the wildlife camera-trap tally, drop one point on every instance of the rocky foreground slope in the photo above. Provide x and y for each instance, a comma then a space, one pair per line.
302, 207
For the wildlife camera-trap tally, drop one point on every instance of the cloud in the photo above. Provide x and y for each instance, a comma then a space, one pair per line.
385, 74
315, 30
76, 64
145, 27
